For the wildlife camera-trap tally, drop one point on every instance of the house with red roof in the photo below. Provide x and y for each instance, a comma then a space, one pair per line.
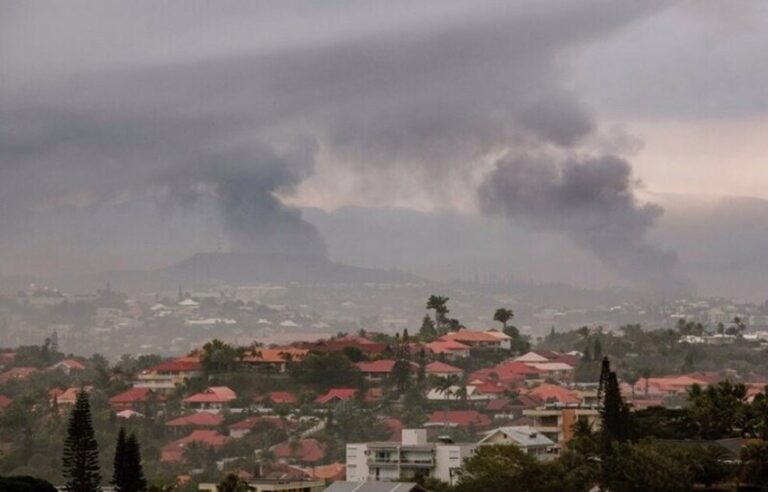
279, 398
202, 420
442, 370
450, 349
245, 426
165, 377
17, 374
336, 395
174, 452
275, 359
332, 472
214, 398
69, 395
464, 419
552, 393
479, 339
376, 370
134, 398
507, 373
355, 341
67, 366
304, 451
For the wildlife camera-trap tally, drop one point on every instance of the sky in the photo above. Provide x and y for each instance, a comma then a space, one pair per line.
140, 125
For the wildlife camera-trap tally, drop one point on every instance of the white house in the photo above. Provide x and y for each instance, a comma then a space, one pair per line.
526, 438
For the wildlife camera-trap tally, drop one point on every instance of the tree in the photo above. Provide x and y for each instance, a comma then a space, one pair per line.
505, 468
644, 466
503, 315
219, 357
233, 483
135, 472
120, 470
81, 451
754, 464
427, 332
440, 305
25, 484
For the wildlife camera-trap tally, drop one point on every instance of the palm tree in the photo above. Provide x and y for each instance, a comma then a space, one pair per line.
503, 315
440, 306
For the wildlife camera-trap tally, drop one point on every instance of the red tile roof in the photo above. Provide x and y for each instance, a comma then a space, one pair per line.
214, 394
466, 336
308, 450
446, 346
178, 365
174, 452
438, 367
383, 366
341, 394
17, 373
198, 419
250, 422
72, 364
281, 397
276, 355
134, 395
333, 472
460, 418
553, 393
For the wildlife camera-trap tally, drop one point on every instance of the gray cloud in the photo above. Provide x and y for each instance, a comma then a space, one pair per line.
429, 93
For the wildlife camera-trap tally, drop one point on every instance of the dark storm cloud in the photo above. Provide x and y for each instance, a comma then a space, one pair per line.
430, 91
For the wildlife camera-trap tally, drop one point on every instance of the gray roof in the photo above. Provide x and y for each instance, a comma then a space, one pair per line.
523, 435
374, 487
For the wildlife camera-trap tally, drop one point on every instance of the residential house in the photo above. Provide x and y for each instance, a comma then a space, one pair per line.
17, 374
466, 419
274, 485
67, 366
275, 359
244, 427
442, 370
174, 452
409, 457
552, 393
557, 423
213, 399
450, 349
479, 339
531, 441
199, 420
279, 398
5, 402
167, 376
306, 451
134, 399
336, 395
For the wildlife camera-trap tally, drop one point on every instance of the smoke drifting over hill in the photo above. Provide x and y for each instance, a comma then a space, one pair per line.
398, 100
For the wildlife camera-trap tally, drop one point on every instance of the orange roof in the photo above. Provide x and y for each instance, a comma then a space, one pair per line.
280, 397
71, 364
276, 355
460, 418
464, 336
334, 471
175, 450
134, 395
552, 392
199, 419
438, 367
250, 422
383, 366
5, 401
214, 394
446, 346
342, 394
309, 450
17, 373
184, 364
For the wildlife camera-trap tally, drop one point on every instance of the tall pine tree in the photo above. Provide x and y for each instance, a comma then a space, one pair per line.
128, 474
81, 451
137, 481
120, 474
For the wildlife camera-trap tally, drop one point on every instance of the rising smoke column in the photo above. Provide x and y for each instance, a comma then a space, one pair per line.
591, 201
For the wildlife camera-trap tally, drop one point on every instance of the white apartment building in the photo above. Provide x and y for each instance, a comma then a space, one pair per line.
413, 456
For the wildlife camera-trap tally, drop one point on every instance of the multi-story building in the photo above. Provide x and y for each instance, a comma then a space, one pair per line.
412, 457
556, 422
